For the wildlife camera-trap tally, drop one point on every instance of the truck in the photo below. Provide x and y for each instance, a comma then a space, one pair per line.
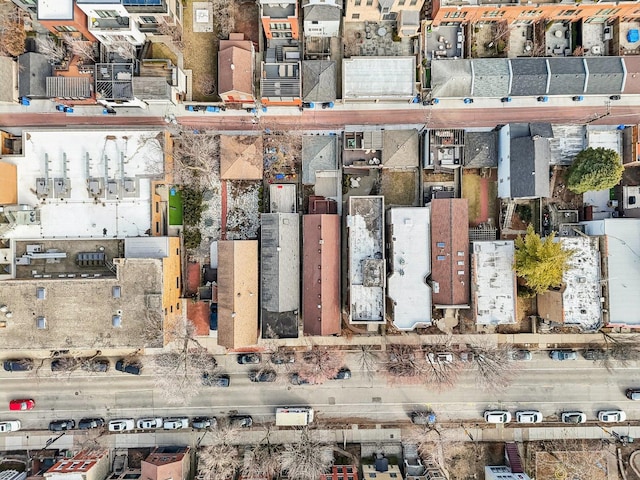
294, 416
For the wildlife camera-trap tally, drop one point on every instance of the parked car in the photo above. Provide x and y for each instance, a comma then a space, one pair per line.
149, 423
122, 425
61, 425
213, 317
467, 357
249, 358
89, 423
423, 418
96, 365
343, 374
280, 358
563, 355
242, 421
23, 404
594, 354
18, 365
64, 364
521, 355
611, 416
204, 422
497, 416
296, 379
573, 417
440, 357
211, 380
528, 416
175, 423
633, 393
262, 376
132, 368
10, 426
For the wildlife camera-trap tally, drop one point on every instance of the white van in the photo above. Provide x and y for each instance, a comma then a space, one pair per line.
293, 416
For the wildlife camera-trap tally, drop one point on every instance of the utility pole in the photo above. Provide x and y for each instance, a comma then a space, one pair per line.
598, 116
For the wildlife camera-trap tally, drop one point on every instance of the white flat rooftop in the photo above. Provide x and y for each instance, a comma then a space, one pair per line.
369, 78
494, 282
410, 247
55, 9
581, 297
104, 156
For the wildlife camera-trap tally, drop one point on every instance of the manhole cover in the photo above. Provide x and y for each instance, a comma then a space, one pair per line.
332, 400
376, 399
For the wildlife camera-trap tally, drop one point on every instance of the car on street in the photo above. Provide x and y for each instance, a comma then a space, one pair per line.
10, 426
125, 367
633, 393
249, 358
18, 365
149, 423
521, 355
296, 379
175, 423
594, 354
573, 417
528, 416
97, 365
213, 380
122, 425
262, 376
281, 358
61, 425
423, 418
440, 357
204, 422
611, 416
497, 416
242, 421
22, 404
64, 364
562, 355
343, 374
89, 423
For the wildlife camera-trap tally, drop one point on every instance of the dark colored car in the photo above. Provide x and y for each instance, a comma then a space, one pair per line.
521, 355
89, 423
211, 380
132, 368
563, 355
281, 358
96, 365
343, 374
594, 354
204, 422
60, 425
64, 364
262, 376
249, 358
213, 317
244, 421
296, 379
18, 365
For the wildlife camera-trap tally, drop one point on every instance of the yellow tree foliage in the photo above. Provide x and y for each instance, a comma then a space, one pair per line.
540, 263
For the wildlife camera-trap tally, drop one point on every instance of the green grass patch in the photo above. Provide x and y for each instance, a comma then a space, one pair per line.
175, 206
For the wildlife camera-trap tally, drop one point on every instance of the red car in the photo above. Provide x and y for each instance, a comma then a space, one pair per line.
24, 404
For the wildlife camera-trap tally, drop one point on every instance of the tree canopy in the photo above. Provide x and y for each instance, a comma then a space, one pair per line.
540, 263
594, 169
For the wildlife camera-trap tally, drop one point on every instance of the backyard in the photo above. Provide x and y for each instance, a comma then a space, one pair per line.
400, 187
480, 188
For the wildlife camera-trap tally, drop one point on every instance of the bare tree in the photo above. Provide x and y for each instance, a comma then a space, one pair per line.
442, 367
368, 360
12, 34
494, 365
307, 458
621, 348
196, 159
153, 329
571, 458
123, 49
405, 363
220, 460
85, 50
52, 48
320, 364
262, 460
179, 371
206, 84
224, 17
172, 30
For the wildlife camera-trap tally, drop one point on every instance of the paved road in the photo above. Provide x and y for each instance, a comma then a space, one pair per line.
435, 117
541, 384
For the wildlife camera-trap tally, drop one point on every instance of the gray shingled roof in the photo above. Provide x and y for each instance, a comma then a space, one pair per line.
606, 75
568, 76
451, 78
322, 13
480, 149
400, 148
318, 153
529, 167
33, 70
319, 81
490, 77
151, 88
529, 76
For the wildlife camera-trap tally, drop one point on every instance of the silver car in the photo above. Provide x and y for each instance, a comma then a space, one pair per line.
497, 416
611, 416
122, 425
573, 417
528, 416
175, 423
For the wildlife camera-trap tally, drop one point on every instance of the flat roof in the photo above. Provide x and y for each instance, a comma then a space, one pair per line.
117, 164
623, 265
581, 297
365, 225
494, 282
55, 9
366, 78
411, 264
